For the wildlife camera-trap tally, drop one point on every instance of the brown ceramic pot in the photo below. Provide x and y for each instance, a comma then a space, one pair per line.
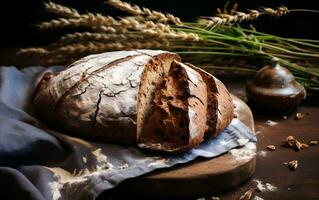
274, 87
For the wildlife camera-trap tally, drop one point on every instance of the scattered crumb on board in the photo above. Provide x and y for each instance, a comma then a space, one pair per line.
293, 164
271, 147
313, 142
291, 142
299, 116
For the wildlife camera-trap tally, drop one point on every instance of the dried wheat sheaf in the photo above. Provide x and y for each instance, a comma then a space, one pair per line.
141, 28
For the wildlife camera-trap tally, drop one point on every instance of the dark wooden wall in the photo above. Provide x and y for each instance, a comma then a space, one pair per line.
18, 17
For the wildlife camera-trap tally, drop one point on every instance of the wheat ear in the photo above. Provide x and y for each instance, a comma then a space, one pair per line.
32, 51
147, 13
93, 47
61, 10
80, 37
223, 19
88, 20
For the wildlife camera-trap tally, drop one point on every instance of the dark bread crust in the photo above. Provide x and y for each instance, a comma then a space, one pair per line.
220, 109
225, 109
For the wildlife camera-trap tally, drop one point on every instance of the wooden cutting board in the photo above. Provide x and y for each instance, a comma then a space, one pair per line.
201, 176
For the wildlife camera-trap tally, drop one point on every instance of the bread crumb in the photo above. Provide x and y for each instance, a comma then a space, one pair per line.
291, 142
271, 123
271, 147
299, 116
293, 164
313, 142
304, 146
246, 196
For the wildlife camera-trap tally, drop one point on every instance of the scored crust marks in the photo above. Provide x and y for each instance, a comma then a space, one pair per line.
118, 83
86, 76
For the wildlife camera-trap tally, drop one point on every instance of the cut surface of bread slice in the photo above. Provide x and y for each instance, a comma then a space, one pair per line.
175, 118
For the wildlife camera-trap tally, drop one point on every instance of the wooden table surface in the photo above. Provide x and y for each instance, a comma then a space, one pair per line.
303, 183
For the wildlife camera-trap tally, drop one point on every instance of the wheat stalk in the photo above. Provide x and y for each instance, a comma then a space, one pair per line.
61, 10
79, 37
92, 20
89, 20
148, 28
103, 29
179, 35
280, 11
31, 51
147, 13
94, 47
224, 18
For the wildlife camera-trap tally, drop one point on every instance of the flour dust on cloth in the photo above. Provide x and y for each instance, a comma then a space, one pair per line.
37, 162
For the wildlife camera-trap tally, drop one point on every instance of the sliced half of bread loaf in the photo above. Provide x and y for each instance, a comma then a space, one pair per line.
144, 97
175, 119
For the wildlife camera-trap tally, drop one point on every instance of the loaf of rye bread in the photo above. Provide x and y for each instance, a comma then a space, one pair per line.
143, 97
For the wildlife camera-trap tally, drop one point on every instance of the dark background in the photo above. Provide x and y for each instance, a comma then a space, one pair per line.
18, 18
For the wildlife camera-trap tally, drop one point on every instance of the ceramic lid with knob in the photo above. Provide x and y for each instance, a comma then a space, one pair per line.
275, 87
